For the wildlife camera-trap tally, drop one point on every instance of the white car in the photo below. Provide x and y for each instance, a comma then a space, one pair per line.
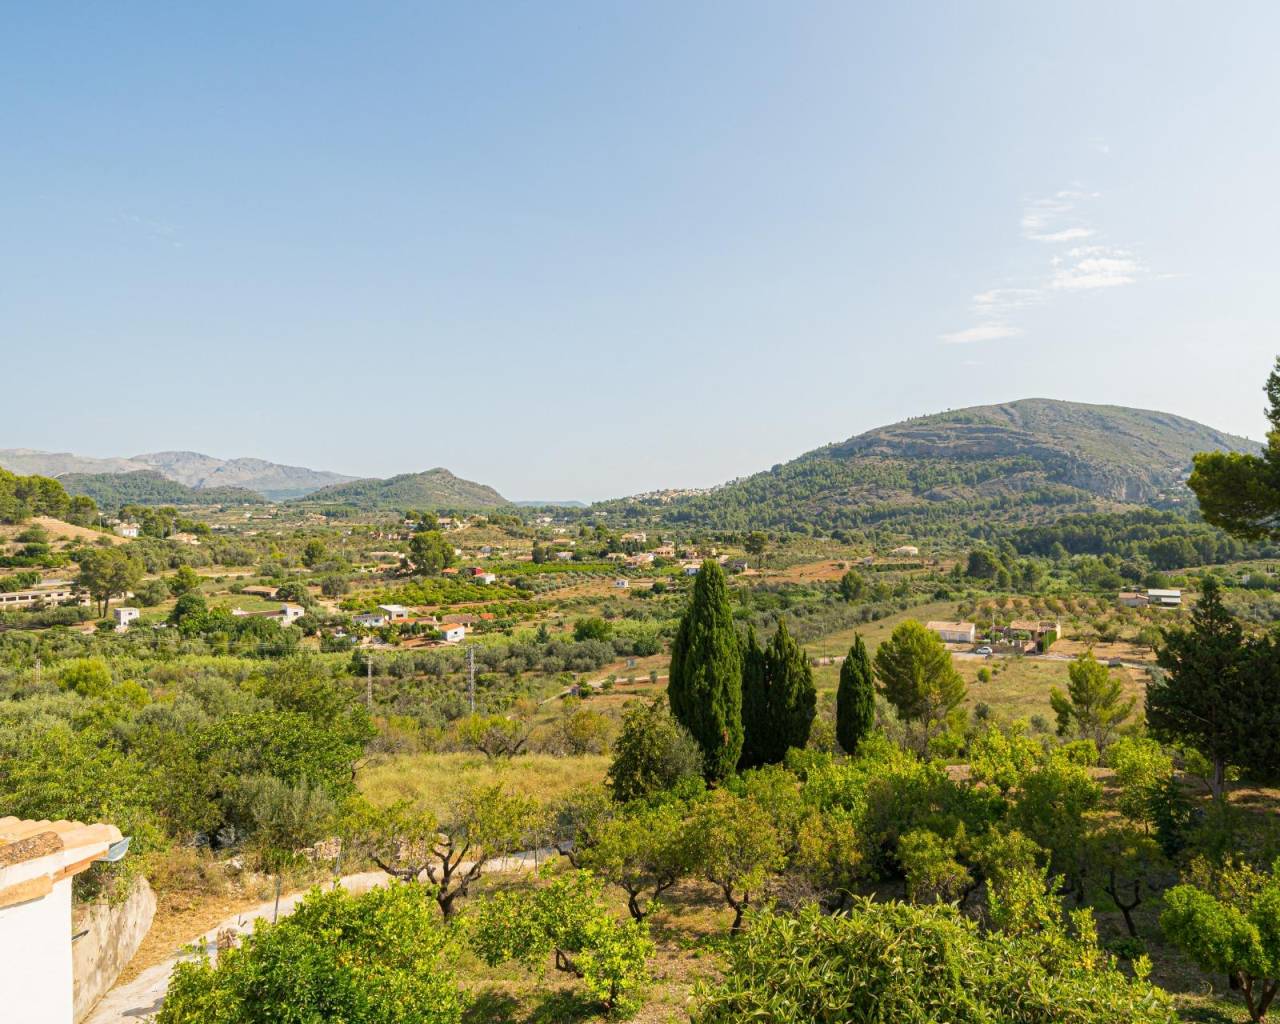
984, 649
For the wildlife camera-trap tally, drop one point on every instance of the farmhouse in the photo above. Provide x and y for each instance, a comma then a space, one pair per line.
905, 551
691, 569
1132, 599
1165, 598
638, 537
954, 632
564, 556
124, 616
127, 529
38, 860
50, 596
621, 584
370, 620
665, 551
485, 578
453, 631
394, 612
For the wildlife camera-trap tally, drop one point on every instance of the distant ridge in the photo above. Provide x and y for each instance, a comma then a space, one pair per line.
1016, 460
192, 469
433, 489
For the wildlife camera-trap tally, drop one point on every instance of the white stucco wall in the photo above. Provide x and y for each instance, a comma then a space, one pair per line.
35, 959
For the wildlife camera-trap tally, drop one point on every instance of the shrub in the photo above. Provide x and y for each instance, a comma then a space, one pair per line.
652, 753
891, 962
370, 959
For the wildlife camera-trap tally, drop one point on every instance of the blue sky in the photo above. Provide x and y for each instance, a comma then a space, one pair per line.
582, 250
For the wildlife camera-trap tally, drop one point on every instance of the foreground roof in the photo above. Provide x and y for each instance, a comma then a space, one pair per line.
34, 855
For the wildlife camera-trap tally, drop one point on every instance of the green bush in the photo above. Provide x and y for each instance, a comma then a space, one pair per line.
891, 963
370, 959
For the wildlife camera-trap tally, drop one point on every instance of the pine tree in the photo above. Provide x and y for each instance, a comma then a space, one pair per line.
916, 676
855, 698
1198, 698
705, 686
755, 712
778, 699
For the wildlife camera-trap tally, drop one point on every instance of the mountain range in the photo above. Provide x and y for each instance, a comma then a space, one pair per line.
1017, 460
194, 470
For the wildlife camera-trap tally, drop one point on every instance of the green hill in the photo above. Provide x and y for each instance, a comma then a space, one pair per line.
1013, 462
432, 489
147, 487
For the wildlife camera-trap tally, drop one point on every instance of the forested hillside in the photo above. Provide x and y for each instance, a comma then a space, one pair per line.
1015, 463
147, 487
432, 489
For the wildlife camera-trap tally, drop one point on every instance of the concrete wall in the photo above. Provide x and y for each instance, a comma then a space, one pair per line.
113, 934
35, 961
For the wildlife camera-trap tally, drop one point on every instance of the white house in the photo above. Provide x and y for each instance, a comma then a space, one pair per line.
394, 611
38, 860
954, 632
370, 620
564, 556
691, 569
484, 577
1165, 598
905, 551
290, 613
124, 616
453, 631
127, 529
621, 584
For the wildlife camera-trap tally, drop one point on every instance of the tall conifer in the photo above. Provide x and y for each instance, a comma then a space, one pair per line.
855, 698
705, 685
778, 700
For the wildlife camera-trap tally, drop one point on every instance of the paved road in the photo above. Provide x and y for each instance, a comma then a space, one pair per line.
138, 1000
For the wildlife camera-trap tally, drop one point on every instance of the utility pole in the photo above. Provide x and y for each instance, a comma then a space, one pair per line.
368, 684
471, 677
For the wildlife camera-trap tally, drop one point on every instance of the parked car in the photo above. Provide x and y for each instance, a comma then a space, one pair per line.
984, 649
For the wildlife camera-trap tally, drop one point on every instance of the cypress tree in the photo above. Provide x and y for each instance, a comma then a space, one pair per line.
793, 699
705, 685
778, 699
755, 711
855, 698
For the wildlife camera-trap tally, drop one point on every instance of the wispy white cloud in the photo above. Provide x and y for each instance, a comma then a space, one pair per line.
1000, 303
983, 332
1048, 219
1066, 235
1054, 220
1095, 266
